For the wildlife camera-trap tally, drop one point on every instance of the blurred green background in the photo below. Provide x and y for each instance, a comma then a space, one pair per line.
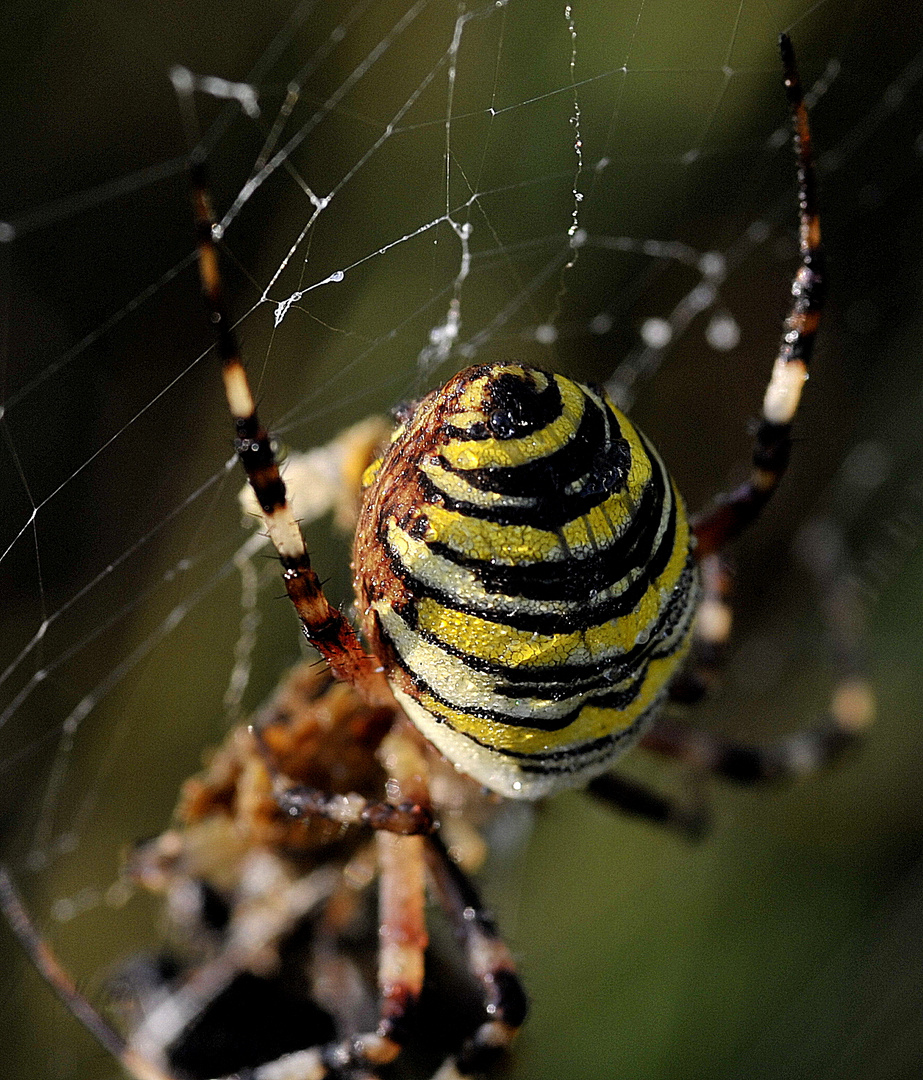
787, 944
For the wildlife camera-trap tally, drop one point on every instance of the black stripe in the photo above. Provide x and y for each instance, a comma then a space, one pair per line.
569, 579
255, 453
560, 761
598, 428
566, 579
570, 586
597, 750
617, 700
569, 682
513, 406
773, 447
607, 474
678, 607
533, 679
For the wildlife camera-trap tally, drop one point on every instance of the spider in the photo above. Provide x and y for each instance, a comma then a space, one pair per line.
530, 591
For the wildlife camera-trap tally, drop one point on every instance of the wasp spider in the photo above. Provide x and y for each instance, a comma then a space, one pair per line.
530, 590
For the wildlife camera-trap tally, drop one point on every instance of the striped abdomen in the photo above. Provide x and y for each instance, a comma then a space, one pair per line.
523, 569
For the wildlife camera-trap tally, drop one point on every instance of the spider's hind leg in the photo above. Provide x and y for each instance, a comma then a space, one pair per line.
689, 817
710, 633
489, 961
852, 702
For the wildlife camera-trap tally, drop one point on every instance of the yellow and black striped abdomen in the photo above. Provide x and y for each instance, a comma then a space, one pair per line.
523, 568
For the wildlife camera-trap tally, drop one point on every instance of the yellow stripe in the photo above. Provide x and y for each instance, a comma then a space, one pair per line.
642, 466
510, 545
456, 487
591, 723
448, 577
509, 453
513, 545
522, 545
450, 679
501, 644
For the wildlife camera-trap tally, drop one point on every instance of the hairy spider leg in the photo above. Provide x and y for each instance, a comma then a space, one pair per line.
852, 706
732, 512
57, 977
325, 627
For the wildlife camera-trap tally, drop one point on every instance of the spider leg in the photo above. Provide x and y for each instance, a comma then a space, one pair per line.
325, 627
301, 801
800, 754
689, 819
53, 972
852, 703
489, 960
403, 939
406, 818
731, 513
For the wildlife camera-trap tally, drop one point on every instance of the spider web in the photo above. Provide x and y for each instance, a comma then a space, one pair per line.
404, 188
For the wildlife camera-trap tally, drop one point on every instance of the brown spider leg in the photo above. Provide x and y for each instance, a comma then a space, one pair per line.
852, 704
489, 960
325, 627
713, 621
51, 970
400, 975
731, 513
407, 818
403, 939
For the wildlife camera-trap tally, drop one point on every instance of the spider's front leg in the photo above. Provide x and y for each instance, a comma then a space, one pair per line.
732, 512
325, 627
852, 706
